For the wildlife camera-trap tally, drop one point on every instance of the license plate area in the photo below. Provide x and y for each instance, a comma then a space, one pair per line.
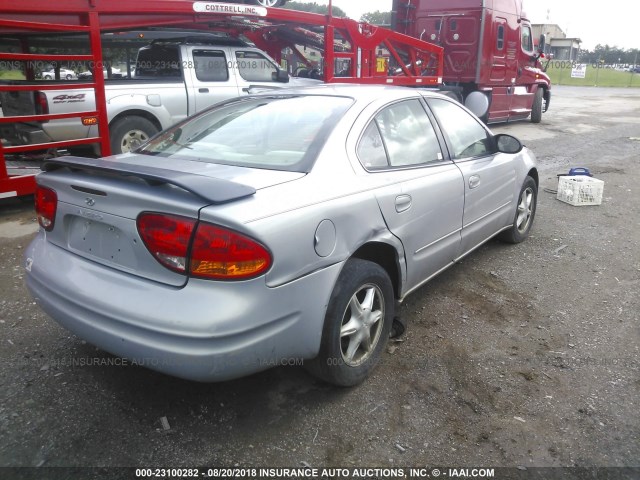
102, 241
110, 240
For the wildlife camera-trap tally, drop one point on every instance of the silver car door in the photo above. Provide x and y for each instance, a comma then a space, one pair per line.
489, 177
422, 201
212, 80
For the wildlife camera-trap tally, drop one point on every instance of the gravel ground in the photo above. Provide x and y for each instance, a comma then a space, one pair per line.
520, 356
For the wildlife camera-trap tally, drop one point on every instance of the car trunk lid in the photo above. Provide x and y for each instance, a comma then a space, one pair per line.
99, 201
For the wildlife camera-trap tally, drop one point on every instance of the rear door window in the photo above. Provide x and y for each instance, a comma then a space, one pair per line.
210, 66
400, 135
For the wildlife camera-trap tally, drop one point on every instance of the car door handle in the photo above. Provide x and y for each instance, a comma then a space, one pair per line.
403, 203
474, 181
203, 90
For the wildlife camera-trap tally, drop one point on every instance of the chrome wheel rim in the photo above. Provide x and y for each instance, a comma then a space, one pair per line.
132, 140
362, 324
525, 210
268, 3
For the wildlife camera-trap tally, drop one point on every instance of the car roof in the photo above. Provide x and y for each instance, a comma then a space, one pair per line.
358, 92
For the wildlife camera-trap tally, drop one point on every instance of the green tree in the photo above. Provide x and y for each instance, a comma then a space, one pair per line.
377, 18
609, 55
313, 7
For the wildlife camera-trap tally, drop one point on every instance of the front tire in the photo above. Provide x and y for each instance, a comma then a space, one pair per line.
128, 133
357, 324
525, 213
536, 108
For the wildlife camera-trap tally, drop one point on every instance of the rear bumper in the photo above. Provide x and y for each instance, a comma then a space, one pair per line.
206, 331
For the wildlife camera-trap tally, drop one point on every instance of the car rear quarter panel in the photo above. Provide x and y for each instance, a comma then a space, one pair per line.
286, 217
307, 226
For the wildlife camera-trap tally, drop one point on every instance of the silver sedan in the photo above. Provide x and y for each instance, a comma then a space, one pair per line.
274, 229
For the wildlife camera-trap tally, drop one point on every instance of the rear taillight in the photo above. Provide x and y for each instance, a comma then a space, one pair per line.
222, 254
206, 251
167, 237
46, 206
41, 104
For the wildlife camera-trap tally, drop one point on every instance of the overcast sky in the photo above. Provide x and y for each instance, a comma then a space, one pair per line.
594, 21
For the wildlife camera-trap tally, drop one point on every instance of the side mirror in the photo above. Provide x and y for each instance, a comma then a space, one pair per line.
281, 76
542, 43
508, 144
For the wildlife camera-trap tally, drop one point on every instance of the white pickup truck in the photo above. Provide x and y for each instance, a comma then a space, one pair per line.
173, 78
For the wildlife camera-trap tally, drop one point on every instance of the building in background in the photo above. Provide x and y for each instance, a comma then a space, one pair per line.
558, 45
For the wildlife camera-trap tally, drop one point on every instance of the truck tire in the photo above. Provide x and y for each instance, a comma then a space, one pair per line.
536, 108
128, 133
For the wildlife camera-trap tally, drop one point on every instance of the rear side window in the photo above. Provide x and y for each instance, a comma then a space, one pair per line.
371, 150
159, 61
401, 135
255, 67
467, 138
210, 66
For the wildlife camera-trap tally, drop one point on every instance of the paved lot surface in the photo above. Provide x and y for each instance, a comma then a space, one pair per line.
520, 356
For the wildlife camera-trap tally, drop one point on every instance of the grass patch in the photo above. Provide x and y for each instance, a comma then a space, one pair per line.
560, 74
11, 75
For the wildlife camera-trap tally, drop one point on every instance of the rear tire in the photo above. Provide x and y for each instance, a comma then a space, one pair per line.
525, 213
536, 108
357, 324
128, 133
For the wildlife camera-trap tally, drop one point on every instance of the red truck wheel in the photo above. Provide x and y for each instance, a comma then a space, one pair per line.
536, 108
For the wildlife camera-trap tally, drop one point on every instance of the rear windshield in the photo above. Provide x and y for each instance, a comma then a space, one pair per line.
277, 133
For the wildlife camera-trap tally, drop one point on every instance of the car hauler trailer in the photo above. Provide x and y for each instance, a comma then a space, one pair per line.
490, 61
367, 50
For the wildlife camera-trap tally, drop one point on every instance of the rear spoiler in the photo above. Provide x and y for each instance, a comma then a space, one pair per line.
214, 190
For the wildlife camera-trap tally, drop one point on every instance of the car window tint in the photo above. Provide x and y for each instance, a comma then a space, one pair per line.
254, 67
210, 66
467, 137
404, 134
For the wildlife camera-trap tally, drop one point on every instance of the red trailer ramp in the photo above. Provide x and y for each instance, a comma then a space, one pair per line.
371, 54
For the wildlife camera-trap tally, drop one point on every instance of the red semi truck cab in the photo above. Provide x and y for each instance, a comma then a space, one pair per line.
491, 63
